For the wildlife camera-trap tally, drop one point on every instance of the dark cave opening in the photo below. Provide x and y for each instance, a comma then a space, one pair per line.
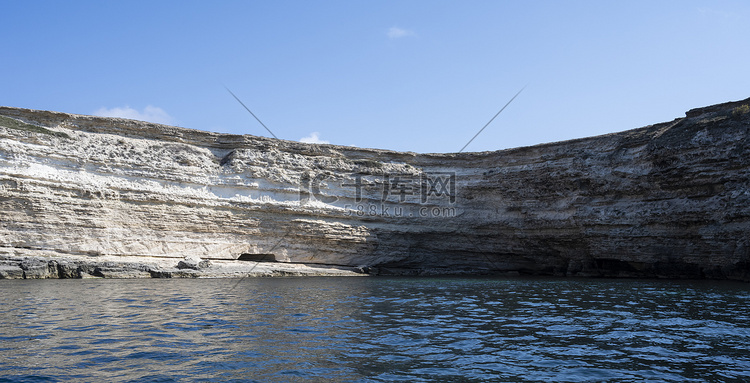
257, 257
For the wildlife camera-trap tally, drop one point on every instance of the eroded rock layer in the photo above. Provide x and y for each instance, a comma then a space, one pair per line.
670, 199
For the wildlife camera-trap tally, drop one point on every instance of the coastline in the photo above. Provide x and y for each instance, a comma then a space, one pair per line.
31, 264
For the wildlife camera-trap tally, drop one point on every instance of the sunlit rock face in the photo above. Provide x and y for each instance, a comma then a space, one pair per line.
671, 199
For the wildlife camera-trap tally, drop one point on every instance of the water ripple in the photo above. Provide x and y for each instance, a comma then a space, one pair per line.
374, 330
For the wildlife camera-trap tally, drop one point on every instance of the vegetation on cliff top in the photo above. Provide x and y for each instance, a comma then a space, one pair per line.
740, 111
12, 123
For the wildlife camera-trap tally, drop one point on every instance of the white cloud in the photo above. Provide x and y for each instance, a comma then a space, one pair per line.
397, 33
313, 139
149, 113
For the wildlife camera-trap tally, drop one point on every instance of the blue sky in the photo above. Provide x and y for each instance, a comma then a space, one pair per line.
420, 76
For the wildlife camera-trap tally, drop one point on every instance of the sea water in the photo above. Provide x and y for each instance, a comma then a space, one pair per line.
374, 329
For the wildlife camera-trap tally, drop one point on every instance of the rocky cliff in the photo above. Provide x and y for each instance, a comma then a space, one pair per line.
670, 200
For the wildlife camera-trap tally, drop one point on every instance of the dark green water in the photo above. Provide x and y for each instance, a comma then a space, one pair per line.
374, 329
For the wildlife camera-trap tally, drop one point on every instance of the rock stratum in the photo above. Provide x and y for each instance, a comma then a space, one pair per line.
91, 196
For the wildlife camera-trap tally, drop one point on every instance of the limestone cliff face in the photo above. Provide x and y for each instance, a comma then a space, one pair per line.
670, 199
